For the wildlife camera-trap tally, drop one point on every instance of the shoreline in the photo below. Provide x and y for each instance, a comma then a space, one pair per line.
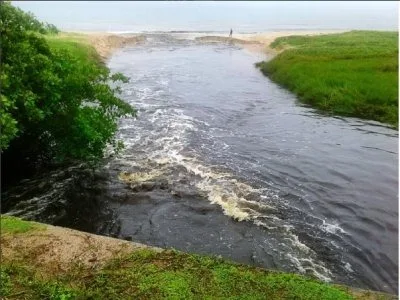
46, 253
104, 43
107, 43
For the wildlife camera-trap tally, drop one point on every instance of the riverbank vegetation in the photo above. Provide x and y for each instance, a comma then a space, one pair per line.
349, 74
57, 104
29, 272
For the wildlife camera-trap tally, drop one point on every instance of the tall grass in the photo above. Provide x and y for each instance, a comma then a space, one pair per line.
349, 74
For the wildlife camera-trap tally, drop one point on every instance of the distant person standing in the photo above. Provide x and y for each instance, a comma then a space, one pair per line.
230, 34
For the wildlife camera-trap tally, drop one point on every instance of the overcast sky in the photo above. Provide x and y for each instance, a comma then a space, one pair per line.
210, 15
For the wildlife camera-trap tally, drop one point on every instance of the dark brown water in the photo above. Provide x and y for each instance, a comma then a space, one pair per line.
222, 161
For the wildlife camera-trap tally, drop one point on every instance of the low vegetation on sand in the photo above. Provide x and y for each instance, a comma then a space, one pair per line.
350, 74
27, 272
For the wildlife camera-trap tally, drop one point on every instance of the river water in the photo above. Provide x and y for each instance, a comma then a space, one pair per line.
220, 160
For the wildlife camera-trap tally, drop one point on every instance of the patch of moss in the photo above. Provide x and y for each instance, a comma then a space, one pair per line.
13, 225
5, 283
26, 284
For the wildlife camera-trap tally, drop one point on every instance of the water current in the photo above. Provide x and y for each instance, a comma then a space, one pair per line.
220, 160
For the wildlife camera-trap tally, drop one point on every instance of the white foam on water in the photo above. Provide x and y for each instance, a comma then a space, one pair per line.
228, 202
301, 256
294, 239
164, 147
262, 224
348, 267
331, 228
230, 194
305, 264
163, 82
296, 262
333, 243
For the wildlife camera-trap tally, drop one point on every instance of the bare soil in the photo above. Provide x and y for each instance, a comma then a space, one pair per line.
57, 249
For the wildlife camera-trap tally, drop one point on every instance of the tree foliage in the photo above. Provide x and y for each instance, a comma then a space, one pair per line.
54, 104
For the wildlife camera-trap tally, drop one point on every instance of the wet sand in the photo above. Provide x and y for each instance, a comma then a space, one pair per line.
106, 43
265, 39
260, 42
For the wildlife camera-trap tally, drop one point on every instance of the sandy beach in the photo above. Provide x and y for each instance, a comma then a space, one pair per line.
260, 42
266, 38
106, 43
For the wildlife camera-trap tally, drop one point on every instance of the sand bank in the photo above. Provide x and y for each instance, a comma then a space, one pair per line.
104, 43
107, 43
260, 42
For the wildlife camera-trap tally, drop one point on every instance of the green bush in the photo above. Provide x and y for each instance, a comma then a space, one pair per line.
56, 102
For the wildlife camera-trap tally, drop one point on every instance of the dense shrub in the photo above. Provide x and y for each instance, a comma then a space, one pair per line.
56, 105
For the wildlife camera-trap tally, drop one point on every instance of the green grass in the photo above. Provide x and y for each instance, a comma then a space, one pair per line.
77, 44
350, 74
149, 274
12, 225
167, 275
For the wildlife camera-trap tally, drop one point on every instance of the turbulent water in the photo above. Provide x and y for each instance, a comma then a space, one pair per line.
220, 160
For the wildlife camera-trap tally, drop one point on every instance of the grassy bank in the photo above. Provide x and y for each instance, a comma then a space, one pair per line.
30, 270
98, 45
350, 74
77, 44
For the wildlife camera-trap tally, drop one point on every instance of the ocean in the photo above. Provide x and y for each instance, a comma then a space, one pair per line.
241, 16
